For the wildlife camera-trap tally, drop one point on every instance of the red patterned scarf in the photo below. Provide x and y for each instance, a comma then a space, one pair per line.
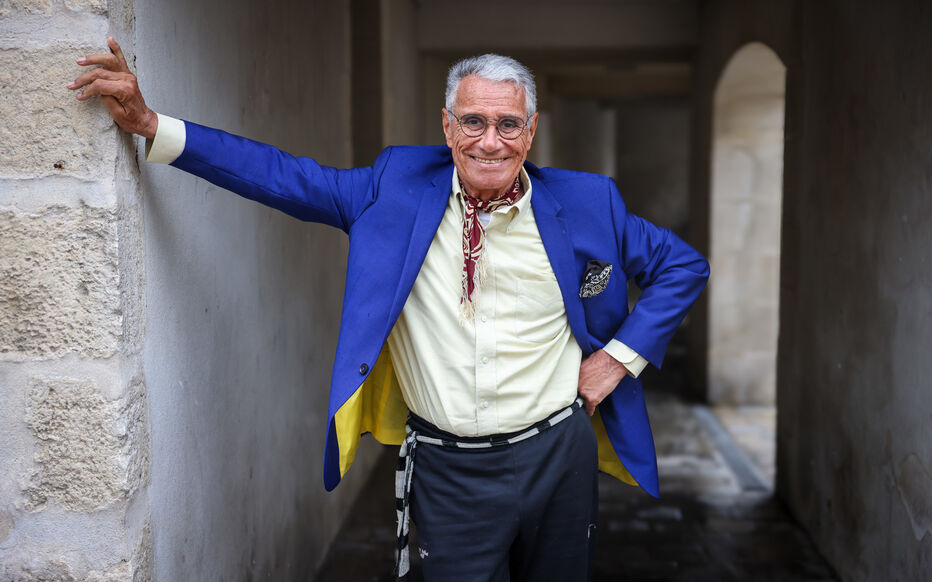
474, 241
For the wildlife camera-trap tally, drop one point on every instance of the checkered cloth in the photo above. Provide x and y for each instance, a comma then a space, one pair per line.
405, 471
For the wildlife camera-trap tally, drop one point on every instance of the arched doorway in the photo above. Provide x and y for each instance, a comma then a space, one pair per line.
747, 185
746, 207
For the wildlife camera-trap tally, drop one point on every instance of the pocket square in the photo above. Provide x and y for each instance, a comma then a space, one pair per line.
596, 278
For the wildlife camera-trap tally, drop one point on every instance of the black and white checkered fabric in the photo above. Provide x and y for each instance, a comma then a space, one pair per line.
405, 472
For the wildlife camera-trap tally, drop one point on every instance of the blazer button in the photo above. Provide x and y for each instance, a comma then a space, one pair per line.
363, 369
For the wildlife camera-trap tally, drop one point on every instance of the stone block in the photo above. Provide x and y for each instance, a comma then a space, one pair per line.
44, 130
8, 7
79, 451
57, 570
51, 571
59, 282
91, 6
6, 525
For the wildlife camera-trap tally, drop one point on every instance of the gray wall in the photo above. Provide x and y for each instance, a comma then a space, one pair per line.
652, 162
854, 431
242, 303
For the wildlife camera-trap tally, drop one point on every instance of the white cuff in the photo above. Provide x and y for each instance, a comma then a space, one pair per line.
168, 142
630, 358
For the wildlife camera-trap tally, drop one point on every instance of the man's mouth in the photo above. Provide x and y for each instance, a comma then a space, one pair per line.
488, 160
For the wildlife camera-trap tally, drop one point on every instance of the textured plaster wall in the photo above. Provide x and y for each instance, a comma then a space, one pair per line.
855, 429
243, 302
74, 445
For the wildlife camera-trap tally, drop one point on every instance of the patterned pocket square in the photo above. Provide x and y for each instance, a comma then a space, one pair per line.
596, 278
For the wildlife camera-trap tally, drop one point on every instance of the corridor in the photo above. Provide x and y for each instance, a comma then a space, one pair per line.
717, 519
167, 348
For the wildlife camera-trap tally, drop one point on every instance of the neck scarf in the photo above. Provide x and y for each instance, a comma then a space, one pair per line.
474, 242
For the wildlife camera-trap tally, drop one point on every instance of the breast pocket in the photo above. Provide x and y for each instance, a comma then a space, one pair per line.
539, 311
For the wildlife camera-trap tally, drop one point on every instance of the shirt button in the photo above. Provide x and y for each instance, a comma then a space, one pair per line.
484, 319
484, 404
485, 359
363, 369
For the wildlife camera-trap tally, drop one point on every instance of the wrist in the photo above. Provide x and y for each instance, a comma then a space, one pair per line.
150, 126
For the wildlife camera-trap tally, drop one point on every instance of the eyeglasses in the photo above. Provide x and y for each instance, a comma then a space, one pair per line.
474, 125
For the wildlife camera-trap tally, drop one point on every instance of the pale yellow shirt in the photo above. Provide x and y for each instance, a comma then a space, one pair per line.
512, 365
515, 363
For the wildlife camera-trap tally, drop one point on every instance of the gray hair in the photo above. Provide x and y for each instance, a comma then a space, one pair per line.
497, 69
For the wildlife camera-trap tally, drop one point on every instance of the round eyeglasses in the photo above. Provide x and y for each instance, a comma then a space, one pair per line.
474, 125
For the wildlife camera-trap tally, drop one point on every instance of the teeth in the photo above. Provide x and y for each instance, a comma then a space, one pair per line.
486, 161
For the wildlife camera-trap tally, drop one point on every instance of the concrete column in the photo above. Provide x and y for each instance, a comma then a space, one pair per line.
402, 113
74, 446
652, 159
582, 135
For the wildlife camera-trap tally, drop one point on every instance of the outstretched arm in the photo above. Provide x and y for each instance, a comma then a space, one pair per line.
298, 186
116, 86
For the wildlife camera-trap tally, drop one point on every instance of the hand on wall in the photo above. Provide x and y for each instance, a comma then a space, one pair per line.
117, 88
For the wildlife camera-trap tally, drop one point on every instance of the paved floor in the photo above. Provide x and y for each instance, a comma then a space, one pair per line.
716, 520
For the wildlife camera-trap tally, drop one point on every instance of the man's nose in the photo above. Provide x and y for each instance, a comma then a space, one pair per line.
490, 139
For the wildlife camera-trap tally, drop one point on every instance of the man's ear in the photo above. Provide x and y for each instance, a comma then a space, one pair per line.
532, 129
447, 127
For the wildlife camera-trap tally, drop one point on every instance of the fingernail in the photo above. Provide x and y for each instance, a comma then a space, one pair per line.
81, 60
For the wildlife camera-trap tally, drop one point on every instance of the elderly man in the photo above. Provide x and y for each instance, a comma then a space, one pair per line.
485, 314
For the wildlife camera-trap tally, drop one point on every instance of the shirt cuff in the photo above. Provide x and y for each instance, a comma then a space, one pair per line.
168, 142
630, 358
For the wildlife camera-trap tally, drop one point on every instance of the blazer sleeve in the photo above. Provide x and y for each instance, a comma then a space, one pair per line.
670, 273
298, 186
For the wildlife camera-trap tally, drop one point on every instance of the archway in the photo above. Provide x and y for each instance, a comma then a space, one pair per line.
746, 206
747, 171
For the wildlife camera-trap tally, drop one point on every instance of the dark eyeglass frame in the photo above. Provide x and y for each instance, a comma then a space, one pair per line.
497, 122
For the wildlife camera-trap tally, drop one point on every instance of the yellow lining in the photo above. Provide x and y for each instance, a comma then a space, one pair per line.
608, 458
378, 408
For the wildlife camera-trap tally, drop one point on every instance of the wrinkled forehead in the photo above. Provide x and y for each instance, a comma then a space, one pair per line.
478, 95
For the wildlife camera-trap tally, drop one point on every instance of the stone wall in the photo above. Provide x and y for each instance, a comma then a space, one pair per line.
74, 446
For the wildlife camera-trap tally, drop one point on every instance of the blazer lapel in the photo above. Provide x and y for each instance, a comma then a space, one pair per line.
429, 214
559, 247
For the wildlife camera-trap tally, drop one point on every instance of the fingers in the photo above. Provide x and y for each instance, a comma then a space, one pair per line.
116, 109
103, 87
108, 61
118, 52
113, 61
95, 74
590, 399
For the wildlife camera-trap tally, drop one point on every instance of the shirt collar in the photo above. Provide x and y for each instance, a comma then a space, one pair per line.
520, 206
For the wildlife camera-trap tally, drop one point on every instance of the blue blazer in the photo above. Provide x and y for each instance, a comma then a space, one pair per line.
391, 211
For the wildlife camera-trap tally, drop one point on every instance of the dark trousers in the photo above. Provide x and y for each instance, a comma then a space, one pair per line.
522, 512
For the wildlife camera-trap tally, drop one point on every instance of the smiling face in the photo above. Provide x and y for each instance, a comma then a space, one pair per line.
487, 165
